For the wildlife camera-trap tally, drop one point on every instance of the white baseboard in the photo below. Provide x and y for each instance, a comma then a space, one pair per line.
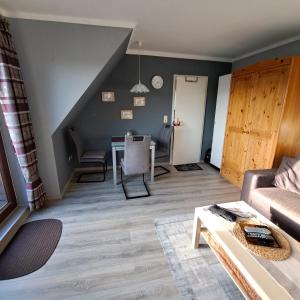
67, 184
60, 196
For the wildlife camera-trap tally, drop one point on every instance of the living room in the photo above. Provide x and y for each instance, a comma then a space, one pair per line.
124, 124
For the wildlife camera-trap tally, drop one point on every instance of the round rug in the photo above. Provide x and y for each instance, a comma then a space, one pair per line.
30, 249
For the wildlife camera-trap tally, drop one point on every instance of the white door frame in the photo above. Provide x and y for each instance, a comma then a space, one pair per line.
173, 110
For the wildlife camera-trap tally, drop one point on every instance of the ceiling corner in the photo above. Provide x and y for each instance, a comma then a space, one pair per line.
176, 55
67, 19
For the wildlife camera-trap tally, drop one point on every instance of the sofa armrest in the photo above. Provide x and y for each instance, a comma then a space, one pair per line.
254, 179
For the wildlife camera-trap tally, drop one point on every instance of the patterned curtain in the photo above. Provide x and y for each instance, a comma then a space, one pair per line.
15, 108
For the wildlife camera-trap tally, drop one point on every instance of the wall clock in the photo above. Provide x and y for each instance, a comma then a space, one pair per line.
157, 82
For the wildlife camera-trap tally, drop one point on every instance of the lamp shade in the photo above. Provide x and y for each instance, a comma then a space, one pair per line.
139, 88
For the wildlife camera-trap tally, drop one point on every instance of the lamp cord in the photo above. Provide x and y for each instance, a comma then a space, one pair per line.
139, 68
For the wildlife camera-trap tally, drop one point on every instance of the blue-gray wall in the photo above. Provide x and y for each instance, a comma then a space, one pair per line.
282, 51
98, 121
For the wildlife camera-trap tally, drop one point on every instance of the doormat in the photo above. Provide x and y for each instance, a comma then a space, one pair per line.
188, 167
30, 249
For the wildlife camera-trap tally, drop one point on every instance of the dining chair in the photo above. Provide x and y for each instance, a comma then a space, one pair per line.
88, 157
163, 147
136, 161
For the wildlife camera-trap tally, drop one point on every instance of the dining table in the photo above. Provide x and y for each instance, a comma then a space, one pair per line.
118, 144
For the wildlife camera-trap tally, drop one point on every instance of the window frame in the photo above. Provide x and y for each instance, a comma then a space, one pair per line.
11, 204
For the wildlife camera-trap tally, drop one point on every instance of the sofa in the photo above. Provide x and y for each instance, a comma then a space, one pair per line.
280, 206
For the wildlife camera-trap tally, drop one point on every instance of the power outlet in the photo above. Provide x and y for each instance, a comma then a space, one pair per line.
165, 119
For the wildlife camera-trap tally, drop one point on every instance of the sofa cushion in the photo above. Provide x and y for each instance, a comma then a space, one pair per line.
268, 199
261, 201
288, 175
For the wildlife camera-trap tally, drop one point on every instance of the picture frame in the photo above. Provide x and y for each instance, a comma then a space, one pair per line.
139, 101
108, 97
126, 114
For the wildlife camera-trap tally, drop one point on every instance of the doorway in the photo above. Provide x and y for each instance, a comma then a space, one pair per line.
188, 112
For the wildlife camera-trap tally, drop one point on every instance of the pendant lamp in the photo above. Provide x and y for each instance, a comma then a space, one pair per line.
139, 88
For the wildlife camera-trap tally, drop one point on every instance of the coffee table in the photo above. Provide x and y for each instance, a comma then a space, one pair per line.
257, 278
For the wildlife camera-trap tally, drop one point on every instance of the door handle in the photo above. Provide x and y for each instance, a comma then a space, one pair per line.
177, 123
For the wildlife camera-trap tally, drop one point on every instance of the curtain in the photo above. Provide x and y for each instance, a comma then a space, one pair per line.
15, 108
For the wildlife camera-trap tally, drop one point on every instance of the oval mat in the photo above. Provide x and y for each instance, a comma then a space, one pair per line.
30, 248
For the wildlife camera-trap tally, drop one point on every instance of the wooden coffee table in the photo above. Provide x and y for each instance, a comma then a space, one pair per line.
257, 278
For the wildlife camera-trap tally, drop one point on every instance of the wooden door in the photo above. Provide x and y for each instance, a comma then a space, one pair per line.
288, 143
264, 116
237, 135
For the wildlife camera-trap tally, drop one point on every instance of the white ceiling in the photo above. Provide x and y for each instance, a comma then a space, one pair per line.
226, 29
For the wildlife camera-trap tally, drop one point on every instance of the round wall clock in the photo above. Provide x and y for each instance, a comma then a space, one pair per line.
157, 82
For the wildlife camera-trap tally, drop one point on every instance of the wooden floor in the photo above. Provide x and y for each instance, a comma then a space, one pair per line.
109, 248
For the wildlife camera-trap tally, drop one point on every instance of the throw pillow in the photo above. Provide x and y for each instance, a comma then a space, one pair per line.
288, 175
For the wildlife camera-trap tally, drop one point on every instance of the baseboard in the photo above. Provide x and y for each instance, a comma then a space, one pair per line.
213, 166
60, 196
67, 184
11, 225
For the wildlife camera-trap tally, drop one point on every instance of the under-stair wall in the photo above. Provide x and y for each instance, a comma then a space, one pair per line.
65, 155
59, 61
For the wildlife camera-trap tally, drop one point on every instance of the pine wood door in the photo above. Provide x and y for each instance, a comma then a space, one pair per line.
264, 116
237, 135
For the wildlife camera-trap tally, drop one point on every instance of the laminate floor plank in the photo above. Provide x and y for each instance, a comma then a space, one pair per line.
109, 248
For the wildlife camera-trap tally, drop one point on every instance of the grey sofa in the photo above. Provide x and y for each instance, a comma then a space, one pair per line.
280, 206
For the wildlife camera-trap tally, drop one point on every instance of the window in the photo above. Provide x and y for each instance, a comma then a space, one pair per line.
7, 194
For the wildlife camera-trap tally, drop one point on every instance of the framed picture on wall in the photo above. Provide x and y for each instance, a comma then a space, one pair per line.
108, 97
126, 114
139, 101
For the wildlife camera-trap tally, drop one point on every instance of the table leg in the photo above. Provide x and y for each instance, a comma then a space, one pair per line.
196, 232
152, 163
114, 161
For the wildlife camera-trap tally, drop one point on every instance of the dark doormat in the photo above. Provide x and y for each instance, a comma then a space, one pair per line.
187, 167
30, 248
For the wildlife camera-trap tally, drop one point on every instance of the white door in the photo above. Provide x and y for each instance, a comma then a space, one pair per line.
220, 120
189, 109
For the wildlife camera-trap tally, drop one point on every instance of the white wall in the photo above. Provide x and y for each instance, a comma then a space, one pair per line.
59, 61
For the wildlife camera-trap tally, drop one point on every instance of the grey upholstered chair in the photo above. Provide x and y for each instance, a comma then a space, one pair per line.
88, 157
163, 146
136, 160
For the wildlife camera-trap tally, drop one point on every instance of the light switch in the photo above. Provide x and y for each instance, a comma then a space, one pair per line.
165, 119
